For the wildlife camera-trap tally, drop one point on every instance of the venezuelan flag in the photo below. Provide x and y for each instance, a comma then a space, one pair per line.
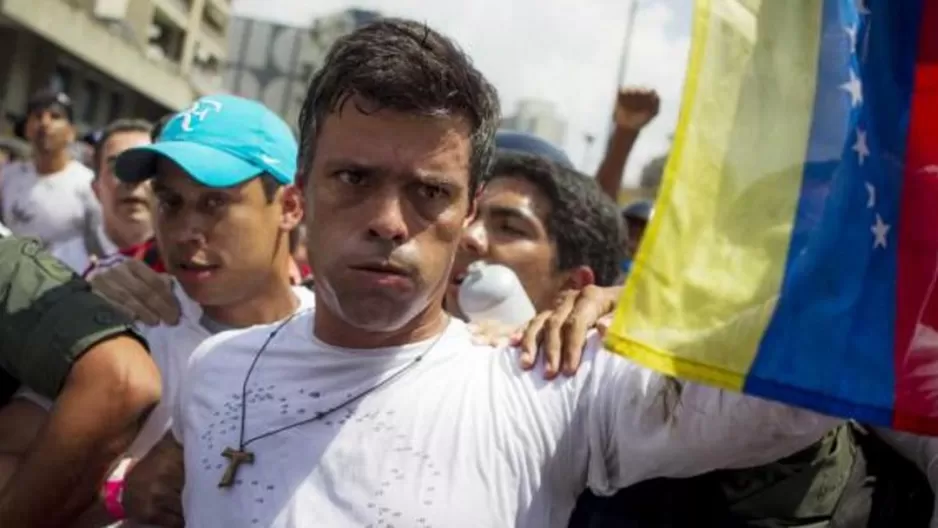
794, 250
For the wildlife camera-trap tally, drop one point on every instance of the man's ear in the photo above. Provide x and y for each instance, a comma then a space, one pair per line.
292, 205
579, 278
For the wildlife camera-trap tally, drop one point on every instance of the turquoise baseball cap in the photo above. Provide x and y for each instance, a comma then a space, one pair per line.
220, 141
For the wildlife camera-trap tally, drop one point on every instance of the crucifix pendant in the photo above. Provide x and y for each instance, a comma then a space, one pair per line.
235, 457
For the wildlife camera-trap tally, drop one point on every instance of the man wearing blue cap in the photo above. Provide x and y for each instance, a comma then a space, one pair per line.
222, 173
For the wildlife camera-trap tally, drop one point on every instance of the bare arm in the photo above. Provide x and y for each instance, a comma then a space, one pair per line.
20, 423
108, 391
635, 108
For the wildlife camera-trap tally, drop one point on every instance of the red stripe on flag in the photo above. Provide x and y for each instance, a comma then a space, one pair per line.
916, 330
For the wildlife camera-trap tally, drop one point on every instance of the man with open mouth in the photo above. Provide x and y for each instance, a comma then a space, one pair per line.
550, 224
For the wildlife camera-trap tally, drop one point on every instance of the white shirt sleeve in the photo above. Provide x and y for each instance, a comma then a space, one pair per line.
25, 393
643, 425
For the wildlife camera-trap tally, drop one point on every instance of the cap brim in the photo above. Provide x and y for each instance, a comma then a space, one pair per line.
206, 165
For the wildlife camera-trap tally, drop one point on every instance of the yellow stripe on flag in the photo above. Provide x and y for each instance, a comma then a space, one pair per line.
704, 284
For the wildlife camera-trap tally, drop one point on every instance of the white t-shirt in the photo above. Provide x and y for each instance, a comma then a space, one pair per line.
74, 252
55, 208
170, 347
463, 439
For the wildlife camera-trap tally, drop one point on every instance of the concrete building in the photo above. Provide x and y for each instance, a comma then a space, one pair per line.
537, 117
115, 58
273, 62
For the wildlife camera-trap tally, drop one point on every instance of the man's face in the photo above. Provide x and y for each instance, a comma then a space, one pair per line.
511, 229
220, 243
49, 130
125, 206
388, 202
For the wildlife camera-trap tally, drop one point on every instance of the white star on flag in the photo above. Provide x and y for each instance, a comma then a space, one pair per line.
855, 88
860, 147
852, 33
880, 229
929, 169
871, 191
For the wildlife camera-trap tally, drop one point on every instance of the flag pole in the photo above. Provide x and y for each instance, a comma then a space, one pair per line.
627, 43
623, 59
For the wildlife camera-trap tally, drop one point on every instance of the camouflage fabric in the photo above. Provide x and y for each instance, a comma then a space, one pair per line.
48, 318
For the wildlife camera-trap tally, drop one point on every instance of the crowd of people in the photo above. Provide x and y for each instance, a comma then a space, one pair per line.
306, 359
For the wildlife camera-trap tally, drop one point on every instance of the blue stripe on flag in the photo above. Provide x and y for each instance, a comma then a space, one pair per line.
829, 345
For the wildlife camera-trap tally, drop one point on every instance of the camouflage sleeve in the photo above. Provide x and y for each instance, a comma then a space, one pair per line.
48, 317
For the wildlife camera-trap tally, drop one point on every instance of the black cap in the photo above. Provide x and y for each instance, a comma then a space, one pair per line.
48, 99
530, 144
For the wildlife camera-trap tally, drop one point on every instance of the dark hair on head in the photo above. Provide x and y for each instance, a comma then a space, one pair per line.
404, 66
46, 99
270, 185
584, 223
158, 127
119, 126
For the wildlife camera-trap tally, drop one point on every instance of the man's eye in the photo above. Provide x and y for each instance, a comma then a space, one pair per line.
214, 202
167, 204
350, 178
432, 192
509, 229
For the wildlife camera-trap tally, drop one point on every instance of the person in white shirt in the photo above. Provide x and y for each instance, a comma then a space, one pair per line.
50, 196
374, 408
225, 204
126, 222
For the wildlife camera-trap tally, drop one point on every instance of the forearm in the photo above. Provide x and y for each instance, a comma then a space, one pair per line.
94, 420
611, 169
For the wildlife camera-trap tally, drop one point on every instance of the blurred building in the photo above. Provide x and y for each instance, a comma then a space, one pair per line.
273, 62
115, 58
537, 117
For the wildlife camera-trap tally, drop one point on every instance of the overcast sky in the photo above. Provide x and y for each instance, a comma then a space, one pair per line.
564, 51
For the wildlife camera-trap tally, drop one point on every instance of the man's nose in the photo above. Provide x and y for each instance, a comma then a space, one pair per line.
474, 239
186, 229
387, 219
45, 119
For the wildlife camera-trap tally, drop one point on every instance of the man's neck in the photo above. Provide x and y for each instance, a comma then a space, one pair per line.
51, 163
334, 331
273, 302
127, 238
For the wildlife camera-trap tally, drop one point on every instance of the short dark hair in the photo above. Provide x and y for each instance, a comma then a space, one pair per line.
45, 99
270, 185
404, 66
113, 128
584, 223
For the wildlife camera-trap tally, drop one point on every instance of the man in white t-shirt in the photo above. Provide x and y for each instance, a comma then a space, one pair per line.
375, 408
225, 203
126, 224
50, 196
